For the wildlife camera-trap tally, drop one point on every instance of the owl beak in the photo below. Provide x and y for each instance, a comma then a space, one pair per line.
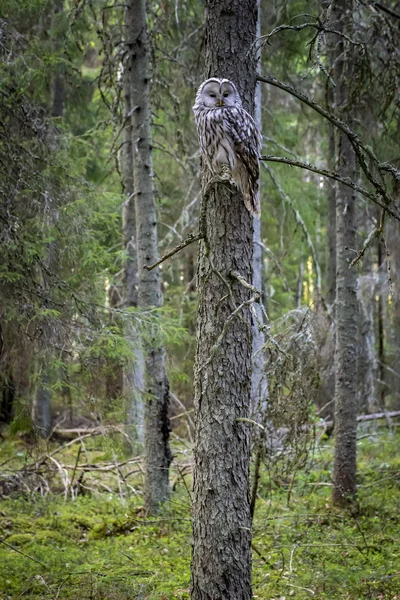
220, 102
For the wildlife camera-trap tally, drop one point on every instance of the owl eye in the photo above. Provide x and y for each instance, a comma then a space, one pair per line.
226, 94
212, 95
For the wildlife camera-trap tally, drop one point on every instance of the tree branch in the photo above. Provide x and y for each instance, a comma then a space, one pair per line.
332, 175
359, 148
318, 25
189, 240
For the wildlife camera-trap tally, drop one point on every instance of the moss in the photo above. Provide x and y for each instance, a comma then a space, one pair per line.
101, 547
20, 539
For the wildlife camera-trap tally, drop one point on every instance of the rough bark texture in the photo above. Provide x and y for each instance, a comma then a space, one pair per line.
133, 379
346, 280
221, 563
130, 277
158, 456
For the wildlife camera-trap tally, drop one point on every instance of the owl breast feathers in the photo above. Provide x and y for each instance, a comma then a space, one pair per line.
229, 137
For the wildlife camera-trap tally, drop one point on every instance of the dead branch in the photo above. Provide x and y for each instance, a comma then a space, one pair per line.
317, 25
360, 149
189, 240
22, 553
332, 175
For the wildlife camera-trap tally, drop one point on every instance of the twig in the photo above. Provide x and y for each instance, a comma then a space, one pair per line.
319, 26
63, 474
182, 476
385, 9
371, 237
262, 558
388, 267
74, 471
257, 467
215, 347
184, 414
245, 283
332, 175
359, 148
22, 553
91, 433
189, 240
118, 476
291, 558
245, 420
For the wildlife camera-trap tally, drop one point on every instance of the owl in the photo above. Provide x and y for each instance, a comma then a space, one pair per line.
229, 138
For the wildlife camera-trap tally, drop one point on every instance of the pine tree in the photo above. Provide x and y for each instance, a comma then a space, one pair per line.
221, 561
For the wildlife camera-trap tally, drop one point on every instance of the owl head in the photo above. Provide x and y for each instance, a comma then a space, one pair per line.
217, 93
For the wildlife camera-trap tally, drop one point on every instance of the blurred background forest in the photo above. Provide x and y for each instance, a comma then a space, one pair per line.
69, 317
63, 267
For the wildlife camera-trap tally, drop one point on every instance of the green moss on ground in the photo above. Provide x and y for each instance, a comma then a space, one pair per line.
102, 547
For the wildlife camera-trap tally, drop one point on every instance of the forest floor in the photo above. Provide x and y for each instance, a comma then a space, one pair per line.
100, 545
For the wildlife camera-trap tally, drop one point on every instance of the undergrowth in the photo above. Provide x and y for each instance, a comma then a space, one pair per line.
101, 546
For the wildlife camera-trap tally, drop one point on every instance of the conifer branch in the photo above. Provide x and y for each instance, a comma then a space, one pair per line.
189, 240
392, 210
361, 150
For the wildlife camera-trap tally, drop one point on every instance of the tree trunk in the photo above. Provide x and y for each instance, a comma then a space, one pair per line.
259, 384
395, 254
221, 562
380, 322
41, 408
331, 271
366, 360
58, 83
367, 285
346, 280
133, 378
157, 452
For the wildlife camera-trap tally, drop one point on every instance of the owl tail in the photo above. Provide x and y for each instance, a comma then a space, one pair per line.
249, 188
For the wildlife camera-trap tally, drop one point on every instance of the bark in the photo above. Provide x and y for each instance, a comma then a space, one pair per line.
131, 279
221, 561
366, 365
367, 286
299, 287
158, 456
114, 372
346, 280
133, 377
381, 328
41, 409
259, 385
331, 272
395, 255
58, 83
328, 382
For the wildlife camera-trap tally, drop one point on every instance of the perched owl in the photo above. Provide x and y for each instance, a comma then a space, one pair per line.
229, 138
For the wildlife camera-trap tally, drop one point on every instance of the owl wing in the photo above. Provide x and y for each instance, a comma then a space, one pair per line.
245, 136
